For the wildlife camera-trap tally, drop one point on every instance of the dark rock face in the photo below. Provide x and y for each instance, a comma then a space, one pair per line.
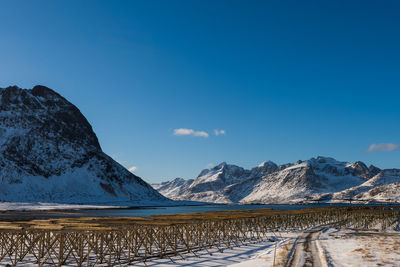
264, 168
358, 168
49, 124
43, 136
372, 171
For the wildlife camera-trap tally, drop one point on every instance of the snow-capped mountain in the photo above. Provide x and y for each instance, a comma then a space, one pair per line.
316, 179
49, 153
385, 186
174, 188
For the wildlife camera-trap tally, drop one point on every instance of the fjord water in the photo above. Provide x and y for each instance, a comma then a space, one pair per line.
150, 211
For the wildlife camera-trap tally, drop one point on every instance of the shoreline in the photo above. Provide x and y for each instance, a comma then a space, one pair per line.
75, 211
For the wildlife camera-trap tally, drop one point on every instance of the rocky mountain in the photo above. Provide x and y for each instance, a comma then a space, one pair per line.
174, 188
49, 153
316, 179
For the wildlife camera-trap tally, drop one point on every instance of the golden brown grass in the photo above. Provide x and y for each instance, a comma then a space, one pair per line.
173, 219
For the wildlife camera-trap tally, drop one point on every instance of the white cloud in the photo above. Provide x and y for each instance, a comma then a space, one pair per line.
184, 131
132, 169
209, 165
382, 147
219, 132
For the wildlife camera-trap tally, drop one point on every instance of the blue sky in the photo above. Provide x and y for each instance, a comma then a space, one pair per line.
285, 80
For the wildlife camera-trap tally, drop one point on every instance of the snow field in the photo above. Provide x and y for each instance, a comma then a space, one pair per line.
361, 248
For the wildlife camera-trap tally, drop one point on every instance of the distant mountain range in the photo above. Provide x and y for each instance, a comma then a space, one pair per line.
318, 179
49, 153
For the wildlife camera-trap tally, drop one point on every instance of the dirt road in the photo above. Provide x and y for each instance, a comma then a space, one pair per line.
307, 251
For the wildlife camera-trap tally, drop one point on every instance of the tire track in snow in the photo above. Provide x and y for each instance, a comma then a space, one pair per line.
307, 251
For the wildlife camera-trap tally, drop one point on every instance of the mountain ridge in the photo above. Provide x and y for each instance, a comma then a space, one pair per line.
313, 180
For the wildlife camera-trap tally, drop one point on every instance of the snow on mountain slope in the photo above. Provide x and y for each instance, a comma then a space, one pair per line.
316, 179
368, 190
218, 177
212, 185
49, 153
174, 188
290, 183
382, 193
207, 186
306, 180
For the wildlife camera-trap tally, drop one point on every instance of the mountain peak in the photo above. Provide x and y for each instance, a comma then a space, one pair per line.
322, 159
221, 165
43, 91
50, 153
11, 87
266, 164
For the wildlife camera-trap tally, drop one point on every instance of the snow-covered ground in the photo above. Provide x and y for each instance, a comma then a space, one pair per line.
260, 254
10, 206
339, 247
361, 248
47, 206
